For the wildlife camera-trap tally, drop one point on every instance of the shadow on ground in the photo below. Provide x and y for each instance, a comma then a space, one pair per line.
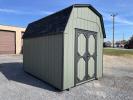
15, 72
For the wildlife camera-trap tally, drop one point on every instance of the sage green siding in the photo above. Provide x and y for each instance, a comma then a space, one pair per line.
51, 58
82, 18
43, 58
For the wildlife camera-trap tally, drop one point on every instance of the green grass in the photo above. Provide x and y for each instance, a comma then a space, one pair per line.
117, 52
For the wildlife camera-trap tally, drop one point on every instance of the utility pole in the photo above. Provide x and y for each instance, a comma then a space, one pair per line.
113, 16
123, 37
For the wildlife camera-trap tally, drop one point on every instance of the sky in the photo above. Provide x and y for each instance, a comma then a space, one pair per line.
22, 12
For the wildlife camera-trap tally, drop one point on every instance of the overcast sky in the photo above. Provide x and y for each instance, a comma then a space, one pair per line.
22, 12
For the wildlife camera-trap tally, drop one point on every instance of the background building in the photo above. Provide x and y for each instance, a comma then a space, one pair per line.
11, 39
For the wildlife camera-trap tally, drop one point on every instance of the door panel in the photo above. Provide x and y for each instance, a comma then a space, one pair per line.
81, 44
81, 69
91, 67
85, 55
91, 45
7, 42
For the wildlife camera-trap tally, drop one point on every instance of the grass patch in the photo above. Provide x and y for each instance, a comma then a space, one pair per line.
117, 52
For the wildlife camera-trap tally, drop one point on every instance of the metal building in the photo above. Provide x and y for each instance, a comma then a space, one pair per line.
65, 49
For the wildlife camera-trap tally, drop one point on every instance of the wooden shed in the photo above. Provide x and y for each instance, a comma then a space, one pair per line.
65, 49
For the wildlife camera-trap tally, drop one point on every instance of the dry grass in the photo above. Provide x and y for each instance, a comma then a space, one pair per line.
118, 52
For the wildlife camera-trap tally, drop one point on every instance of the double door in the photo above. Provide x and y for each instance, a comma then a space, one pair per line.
85, 55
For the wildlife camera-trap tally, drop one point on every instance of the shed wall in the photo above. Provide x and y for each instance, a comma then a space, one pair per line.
82, 18
43, 58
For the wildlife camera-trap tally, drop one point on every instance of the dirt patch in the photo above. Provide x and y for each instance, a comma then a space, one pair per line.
118, 62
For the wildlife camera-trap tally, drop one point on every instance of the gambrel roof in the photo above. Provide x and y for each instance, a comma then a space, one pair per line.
56, 23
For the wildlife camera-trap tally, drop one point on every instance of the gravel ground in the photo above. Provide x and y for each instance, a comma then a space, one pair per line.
117, 83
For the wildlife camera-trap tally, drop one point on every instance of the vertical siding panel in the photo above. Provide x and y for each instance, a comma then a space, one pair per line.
43, 58
70, 46
69, 51
83, 16
65, 59
86, 17
99, 50
79, 16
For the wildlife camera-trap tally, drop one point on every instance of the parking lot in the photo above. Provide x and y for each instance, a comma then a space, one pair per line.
116, 84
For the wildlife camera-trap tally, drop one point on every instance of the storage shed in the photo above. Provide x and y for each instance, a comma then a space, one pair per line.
65, 49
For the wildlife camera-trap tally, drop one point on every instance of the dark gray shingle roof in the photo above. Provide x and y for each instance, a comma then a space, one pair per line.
56, 23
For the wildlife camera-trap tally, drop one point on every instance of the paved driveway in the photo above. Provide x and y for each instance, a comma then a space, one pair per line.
117, 83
